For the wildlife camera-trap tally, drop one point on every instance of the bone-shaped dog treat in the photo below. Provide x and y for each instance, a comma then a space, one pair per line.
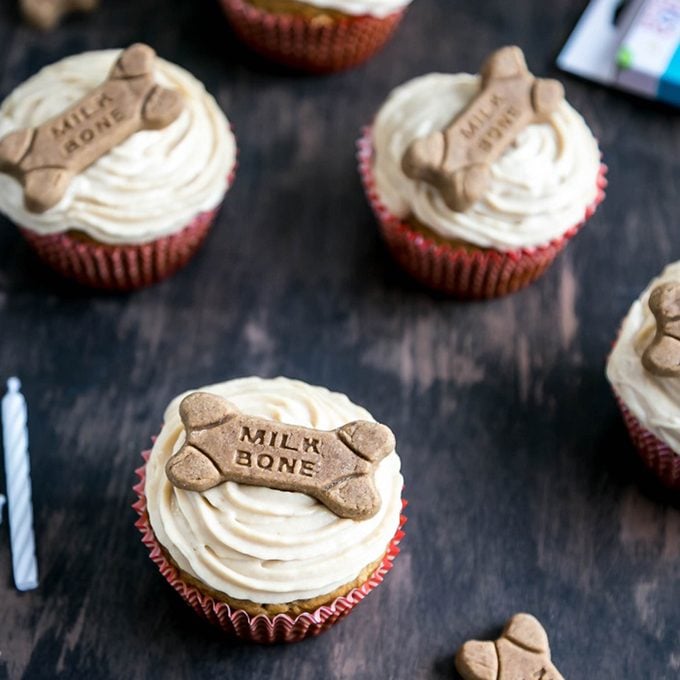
46, 14
457, 161
46, 158
223, 444
520, 653
662, 356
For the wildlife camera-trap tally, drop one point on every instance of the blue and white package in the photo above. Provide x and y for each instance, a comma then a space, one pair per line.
633, 45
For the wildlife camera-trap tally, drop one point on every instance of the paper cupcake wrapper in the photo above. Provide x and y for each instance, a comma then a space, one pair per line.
123, 267
655, 453
455, 270
308, 44
261, 628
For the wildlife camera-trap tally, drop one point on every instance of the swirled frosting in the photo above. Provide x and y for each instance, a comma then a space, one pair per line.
652, 399
540, 187
260, 544
374, 8
150, 185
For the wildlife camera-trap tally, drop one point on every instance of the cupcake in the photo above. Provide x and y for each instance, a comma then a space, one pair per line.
271, 506
318, 36
644, 372
479, 181
113, 164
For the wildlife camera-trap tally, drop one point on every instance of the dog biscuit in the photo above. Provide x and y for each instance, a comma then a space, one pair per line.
46, 14
662, 356
457, 161
335, 467
521, 652
46, 158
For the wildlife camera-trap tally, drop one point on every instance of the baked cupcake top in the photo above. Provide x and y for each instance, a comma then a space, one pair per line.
148, 186
261, 544
375, 8
539, 188
652, 398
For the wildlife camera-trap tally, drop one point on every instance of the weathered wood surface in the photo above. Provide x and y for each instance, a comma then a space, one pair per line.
525, 492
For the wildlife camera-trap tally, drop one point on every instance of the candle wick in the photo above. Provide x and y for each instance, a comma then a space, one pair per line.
14, 384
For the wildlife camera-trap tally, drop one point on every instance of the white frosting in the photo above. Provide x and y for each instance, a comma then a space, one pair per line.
150, 185
375, 8
652, 399
261, 544
540, 187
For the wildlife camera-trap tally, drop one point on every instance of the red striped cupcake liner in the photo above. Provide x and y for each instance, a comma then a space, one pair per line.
455, 270
309, 44
122, 267
260, 629
655, 453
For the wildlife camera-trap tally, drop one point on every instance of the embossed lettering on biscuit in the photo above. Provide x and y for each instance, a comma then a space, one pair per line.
521, 652
457, 161
223, 444
46, 158
46, 14
662, 357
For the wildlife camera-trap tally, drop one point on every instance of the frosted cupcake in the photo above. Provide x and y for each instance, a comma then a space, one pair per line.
479, 181
317, 35
113, 164
271, 506
644, 371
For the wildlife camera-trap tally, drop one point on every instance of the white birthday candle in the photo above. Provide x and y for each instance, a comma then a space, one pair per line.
18, 479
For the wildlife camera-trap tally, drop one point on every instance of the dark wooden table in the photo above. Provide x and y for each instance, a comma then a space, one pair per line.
525, 493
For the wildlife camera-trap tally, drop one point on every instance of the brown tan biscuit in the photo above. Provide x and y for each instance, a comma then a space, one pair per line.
457, 161
46, 14
521, 652
662, 356
223, 444
46, 158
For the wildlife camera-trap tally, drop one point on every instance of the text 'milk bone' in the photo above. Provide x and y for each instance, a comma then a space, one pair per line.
336, 467
457, 161
46, 158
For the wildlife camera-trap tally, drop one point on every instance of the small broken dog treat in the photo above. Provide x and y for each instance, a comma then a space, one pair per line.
662, 356
238, 548
521, 652
222, 444
457, 161
46, 14
125, 156
641, 369
46, 158
479, 181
